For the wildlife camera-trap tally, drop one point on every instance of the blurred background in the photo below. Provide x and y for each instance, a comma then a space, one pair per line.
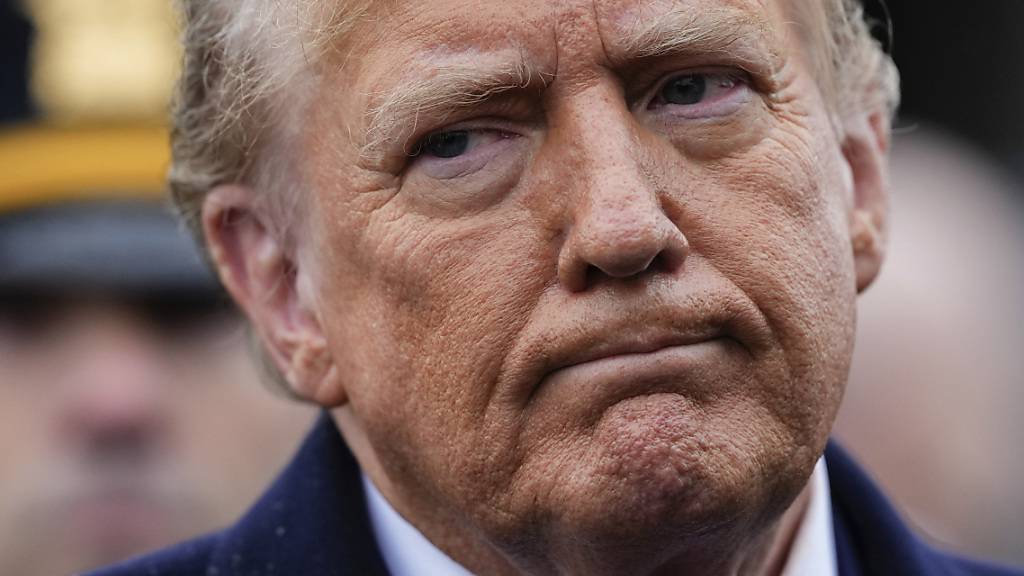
132, 413
935, 404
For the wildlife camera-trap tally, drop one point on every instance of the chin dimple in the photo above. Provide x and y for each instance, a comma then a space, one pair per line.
653, 434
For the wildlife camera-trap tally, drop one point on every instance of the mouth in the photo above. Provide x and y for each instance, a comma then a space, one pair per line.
122, 514
679, 364
109, 527
580, 355
635, 348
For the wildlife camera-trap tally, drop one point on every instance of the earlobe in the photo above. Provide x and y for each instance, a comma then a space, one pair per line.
314, 376
866, 149
267, 283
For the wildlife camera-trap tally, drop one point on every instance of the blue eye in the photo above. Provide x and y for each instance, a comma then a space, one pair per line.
445, 144
685, 90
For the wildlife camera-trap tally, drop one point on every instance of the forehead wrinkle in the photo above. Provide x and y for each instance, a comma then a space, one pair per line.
686, 30
439, 88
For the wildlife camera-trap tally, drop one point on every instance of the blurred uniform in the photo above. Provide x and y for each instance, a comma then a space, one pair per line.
131, 412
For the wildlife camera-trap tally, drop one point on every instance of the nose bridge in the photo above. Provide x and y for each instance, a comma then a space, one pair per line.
604, 138
615, 178
615, 196
617, 225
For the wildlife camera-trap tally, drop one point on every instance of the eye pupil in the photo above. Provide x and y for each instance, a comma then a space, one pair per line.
685, 90
447, 144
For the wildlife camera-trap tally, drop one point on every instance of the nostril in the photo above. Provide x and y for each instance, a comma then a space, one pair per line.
668, 260
622, 248
661, 263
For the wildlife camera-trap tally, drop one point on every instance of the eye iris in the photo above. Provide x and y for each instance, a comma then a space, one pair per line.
685, 90
447, 144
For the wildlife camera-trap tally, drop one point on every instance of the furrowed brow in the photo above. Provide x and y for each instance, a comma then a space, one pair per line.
688, 31
393, 115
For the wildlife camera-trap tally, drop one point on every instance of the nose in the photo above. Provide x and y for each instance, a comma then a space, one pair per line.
114, 406
618, 229
620, 240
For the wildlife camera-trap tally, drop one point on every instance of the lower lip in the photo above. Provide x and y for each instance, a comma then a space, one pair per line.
672, 369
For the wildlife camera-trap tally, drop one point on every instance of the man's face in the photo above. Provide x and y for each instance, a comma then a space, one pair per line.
584, 267
125, 425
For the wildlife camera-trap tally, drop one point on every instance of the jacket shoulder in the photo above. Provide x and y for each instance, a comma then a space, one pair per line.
872, 538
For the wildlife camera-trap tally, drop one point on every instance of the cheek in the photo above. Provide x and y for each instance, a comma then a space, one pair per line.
423, 313
772, 221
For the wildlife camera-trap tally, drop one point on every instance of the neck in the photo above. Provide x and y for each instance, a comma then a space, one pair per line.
761, 553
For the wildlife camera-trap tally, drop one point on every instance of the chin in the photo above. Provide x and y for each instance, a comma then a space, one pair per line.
658, 469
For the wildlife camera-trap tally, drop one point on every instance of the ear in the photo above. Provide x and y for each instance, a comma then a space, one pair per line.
273, 291
866, 149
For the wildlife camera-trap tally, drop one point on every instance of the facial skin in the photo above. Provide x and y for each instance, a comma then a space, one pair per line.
598, 321
125, 427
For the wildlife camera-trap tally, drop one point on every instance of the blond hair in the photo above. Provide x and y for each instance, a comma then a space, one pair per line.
857, 72
230, 120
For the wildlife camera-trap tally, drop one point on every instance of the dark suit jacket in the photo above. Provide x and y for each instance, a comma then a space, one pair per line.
313, 522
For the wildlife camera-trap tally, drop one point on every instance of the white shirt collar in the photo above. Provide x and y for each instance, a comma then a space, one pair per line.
813, 551
407, 552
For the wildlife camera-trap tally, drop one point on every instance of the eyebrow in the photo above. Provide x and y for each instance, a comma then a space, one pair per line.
682, 30
393, 116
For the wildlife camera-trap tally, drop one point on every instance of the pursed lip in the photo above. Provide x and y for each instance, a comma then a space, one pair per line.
635, 345
686, 370
627, 340
646, 362
638, 343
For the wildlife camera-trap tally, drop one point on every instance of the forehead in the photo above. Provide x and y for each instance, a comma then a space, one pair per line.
414, 61
541, 28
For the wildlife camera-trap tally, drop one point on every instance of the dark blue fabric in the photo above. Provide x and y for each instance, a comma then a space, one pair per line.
313, 522
871, 538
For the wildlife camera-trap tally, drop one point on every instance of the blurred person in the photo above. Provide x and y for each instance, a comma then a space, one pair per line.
131, 411
937, 363
131, 414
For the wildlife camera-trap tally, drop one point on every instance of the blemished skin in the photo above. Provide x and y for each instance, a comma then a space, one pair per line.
597, 322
